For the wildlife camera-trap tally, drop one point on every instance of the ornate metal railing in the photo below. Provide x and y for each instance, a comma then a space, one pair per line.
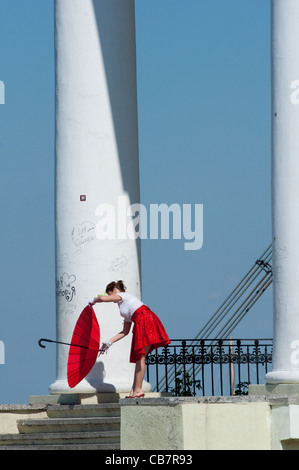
209, 366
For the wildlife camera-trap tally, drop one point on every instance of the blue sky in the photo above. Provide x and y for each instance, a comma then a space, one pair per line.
204, 138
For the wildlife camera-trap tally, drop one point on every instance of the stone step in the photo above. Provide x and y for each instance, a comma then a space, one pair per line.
108, 438
93, 426
84, 411
109, 446
52, 425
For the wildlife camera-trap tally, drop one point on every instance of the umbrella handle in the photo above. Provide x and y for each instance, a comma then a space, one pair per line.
42, 340
58, 342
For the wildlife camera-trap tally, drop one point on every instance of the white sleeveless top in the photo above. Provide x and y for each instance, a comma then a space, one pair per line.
128, 305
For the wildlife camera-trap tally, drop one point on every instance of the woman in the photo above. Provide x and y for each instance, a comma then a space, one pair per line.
148, 331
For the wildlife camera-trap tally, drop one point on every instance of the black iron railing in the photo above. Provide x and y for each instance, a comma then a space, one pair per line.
205, 367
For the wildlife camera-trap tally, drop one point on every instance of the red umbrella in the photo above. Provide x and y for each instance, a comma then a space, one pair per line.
84, 347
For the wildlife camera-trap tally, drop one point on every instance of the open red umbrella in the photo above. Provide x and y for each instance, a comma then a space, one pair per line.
84, 347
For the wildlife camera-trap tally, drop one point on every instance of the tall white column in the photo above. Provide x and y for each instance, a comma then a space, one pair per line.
96, 162
285, 190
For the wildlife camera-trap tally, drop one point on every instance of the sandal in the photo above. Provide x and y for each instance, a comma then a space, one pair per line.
136, 396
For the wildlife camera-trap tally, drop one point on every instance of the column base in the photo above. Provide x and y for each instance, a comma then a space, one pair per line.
282, 377
285, 390
92, 387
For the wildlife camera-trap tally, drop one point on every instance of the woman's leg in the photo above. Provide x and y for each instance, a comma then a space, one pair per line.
139, 373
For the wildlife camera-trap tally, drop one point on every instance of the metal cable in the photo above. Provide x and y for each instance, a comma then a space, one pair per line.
230, 302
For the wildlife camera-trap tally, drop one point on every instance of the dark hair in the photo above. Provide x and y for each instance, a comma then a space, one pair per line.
118, 284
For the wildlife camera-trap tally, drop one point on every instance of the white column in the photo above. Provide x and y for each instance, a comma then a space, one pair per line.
96, 162
285, 190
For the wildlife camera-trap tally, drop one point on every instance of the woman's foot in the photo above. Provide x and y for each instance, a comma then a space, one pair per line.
139, 394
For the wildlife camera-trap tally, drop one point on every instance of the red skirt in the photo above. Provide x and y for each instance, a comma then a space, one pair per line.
147, 331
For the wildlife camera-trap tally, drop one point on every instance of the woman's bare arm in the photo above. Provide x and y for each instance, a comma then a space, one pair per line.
123, 333
107, 298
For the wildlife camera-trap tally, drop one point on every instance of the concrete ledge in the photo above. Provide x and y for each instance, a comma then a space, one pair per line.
59, 438
86, 411
10, 414
20, 408
116, 397
85, 399
71, 399
246, 422
68, 424
285, 427
197, 423
172, 401
274, 389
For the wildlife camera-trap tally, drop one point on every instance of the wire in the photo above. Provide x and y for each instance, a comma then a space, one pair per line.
261, 266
